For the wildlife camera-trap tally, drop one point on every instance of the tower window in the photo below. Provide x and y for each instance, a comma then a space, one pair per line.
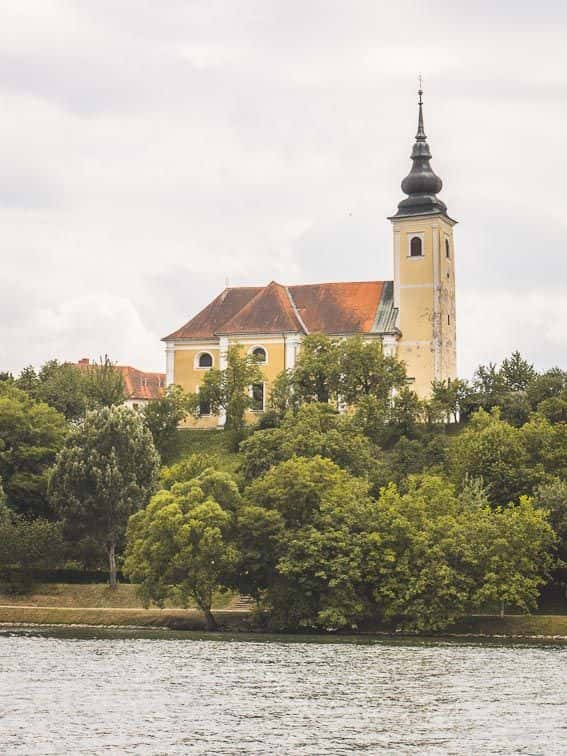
205, 360
416, 247
448, 320
447, 249
259, 354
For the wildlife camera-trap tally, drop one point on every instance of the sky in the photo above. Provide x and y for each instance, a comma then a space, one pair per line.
151, 152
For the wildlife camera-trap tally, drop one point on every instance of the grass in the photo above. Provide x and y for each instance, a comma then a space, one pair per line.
514, 624
89, 596
213, 442
178, 619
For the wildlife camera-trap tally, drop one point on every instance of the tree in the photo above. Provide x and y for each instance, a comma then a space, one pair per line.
314, 430
493, 451
310, 515
62, 387
181, 545
104, 384
229, 389
515, 556
315, 374
552, 498
517, 373
436, 555
31, 434
163, 415
450, 400
26, 544
364, 370
105, 472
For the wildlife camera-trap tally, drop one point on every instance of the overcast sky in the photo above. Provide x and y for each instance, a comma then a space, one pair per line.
151, 150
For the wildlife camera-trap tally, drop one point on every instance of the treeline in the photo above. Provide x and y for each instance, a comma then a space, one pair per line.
354, 500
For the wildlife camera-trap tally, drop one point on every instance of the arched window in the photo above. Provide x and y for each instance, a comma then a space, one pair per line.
447, 249
416, 247
259, 354
205, 360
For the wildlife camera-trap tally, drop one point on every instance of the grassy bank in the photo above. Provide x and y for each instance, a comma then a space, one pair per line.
213, 442
518, 624
89, 596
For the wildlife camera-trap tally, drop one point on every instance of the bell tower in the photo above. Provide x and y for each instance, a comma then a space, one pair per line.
424, 273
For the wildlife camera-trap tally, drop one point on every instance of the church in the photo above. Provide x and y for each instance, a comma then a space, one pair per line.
413, 316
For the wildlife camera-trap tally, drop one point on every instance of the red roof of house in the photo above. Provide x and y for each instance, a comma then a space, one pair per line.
138, 384
334, 308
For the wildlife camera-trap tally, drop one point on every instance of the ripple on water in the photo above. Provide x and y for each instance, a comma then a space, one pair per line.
89, 695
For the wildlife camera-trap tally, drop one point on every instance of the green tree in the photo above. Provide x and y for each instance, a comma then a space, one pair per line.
62, 387
103, 384
552, 498
515, 556
26, 544
28, 381
493, 451
516, 373
364, 370
316, 371
31, 434
310, 515
181, 544
450, 400
229, 389
105, 472
163, 415
314, 430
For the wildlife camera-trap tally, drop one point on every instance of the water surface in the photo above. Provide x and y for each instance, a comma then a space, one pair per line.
91, 692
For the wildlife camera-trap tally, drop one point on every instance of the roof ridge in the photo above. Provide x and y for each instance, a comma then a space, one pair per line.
296, 311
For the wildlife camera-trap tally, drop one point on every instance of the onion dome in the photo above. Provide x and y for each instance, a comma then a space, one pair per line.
421, 184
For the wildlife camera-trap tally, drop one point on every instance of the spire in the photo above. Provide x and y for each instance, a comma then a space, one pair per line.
421, 184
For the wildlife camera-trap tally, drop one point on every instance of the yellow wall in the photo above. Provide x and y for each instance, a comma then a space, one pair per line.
190, 377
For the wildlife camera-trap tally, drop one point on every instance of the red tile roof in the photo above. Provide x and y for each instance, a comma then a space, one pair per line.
206, 323
334, 308
271, 311
138, 384
349, 307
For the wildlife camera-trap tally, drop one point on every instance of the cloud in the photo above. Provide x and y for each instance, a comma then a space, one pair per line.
149, 153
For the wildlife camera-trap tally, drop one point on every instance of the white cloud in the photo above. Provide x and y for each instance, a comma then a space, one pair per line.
147, 154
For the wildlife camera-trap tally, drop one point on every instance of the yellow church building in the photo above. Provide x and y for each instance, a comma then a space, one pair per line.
413, 316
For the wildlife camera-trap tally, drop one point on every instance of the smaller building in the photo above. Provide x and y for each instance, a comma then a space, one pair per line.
140, 387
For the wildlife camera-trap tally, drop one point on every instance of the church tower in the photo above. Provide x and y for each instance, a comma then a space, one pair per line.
424, 273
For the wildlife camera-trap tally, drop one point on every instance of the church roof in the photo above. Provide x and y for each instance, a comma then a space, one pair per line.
352, 307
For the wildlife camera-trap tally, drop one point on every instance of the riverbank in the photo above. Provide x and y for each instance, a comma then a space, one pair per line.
533, 627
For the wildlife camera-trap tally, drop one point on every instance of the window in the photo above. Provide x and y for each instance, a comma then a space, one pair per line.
204, 408
205, 360
416, 247
259, 354
257, 397
448, 320
447, 249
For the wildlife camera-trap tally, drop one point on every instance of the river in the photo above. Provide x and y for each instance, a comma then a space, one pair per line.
95, 692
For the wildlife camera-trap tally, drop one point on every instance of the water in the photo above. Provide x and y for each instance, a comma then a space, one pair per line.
88, 692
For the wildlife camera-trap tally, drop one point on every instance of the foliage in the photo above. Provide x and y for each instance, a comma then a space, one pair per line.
552, 498
229, 389
180, 546
440, 556
62, 386
315, 374
31, 434
104, 384
26, 544
309, 514
363, 370
106, 471
315, 429
497, 453
163, 415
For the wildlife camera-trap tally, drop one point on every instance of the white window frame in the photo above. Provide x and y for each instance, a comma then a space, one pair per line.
251, 394
417, 235
259, 346
198, 357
